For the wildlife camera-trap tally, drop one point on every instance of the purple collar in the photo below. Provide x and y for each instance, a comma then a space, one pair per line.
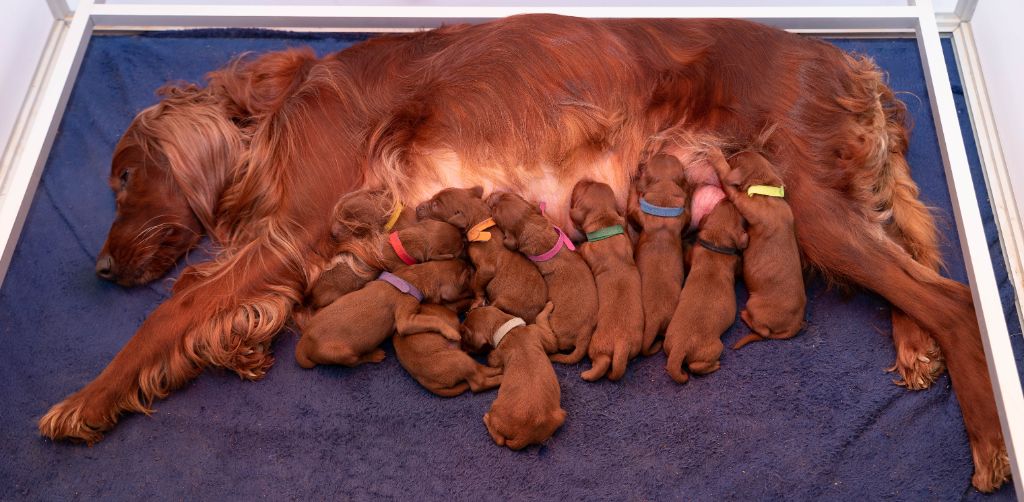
401, 285
563, 240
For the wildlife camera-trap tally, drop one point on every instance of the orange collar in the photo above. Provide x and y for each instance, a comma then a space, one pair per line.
477, 234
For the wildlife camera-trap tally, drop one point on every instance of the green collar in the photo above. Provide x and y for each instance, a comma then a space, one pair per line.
604, 233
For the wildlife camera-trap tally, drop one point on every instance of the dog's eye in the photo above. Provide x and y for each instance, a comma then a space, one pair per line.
124, 178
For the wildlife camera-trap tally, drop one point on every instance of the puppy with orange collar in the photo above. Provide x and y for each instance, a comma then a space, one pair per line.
503, 278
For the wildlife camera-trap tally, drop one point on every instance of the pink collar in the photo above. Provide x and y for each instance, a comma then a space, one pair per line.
403, 255
563, 240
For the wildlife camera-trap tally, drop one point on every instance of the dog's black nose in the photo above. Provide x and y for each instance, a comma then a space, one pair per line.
105, 267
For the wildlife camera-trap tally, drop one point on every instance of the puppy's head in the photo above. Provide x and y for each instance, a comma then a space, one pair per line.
443, 281
748, 169
723, 226
661, 167
515, 216
432, 240
453, 206
480, 325
361, 214
593, 206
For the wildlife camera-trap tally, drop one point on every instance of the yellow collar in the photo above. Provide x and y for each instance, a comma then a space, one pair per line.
396, 211
477, 234
768, 190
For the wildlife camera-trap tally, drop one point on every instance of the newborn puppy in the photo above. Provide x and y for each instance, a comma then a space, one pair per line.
362, 216
345, 274
504, 278
349, 330
771, 264
528, 408
570, 284
437, 363
707, 305
657, 208
609, 253
417, 243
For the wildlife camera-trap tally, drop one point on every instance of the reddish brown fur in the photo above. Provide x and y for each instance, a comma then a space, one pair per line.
707, 304
437, 363
659, 248
771, 262
349, 331
531, 104
619, 334
503, 277
570, 283
528, 407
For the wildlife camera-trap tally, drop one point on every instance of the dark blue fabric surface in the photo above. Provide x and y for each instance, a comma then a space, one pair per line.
810, 418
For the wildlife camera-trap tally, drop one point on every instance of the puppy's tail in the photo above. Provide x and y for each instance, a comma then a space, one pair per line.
674, 367
753, 337
598, 368
620, 359
573, 357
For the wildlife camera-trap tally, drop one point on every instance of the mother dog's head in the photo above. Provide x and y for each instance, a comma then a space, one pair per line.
167, 174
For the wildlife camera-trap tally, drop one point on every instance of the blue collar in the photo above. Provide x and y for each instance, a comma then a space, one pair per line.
664, 212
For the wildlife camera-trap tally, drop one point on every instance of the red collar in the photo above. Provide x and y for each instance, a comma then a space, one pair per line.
396, 244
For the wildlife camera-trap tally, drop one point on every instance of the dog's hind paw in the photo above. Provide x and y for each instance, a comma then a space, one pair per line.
917, 368
991, 468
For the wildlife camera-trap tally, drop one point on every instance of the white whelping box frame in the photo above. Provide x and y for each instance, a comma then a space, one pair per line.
918, 17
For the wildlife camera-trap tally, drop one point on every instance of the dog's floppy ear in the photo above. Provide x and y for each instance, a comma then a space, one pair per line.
510, 242
577, 215
458, 219
477, 191
743, 240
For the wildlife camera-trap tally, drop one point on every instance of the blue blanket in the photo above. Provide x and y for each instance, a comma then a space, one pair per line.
812, 418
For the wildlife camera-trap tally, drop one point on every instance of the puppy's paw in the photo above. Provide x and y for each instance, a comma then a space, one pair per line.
451, 334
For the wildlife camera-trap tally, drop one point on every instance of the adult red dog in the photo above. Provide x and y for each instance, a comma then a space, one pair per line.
532, 104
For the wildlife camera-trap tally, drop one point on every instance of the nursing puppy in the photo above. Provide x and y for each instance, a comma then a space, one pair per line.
528, 408
437, 363
349, 331
364, 216
707, 304
771, 264
570, 284
503, 278
619, 334
661, 219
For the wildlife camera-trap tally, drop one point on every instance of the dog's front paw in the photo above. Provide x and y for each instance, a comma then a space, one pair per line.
451, 334
79, 418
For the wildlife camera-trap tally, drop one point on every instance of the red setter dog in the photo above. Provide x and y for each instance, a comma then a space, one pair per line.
531, 104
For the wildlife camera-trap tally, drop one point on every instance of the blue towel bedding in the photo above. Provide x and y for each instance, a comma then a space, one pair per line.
811, 418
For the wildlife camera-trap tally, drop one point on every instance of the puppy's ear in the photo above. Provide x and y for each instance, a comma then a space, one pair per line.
477, 191
458, 219
510, 242
577, 215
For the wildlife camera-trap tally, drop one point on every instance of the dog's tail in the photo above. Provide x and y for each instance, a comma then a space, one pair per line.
674, 367
580, 350
753, 337
620, 359
599, 367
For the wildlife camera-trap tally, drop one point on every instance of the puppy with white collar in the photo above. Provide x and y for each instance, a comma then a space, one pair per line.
528, 408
